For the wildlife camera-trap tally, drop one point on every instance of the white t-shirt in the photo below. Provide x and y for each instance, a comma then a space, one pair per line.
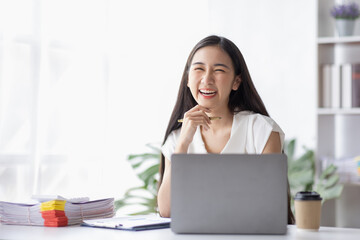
249, 134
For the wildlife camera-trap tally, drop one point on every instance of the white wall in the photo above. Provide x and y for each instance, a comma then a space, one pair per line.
277, 39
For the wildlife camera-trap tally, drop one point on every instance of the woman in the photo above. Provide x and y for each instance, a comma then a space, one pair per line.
221, 112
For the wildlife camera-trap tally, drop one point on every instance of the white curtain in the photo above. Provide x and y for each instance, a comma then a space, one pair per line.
82, 85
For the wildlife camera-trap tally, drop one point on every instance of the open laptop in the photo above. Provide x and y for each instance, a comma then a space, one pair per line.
229, 193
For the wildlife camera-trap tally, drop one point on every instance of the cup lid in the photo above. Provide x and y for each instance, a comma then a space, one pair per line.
307, 195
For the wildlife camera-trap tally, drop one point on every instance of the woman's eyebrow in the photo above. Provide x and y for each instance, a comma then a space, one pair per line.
216, 64
195, 63
221, 65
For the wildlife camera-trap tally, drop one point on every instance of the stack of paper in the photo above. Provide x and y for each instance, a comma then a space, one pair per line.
55, 213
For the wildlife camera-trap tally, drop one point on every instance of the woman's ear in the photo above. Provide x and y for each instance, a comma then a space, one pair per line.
237, 82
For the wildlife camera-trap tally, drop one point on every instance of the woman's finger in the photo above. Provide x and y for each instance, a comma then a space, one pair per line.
198, 115
198, 120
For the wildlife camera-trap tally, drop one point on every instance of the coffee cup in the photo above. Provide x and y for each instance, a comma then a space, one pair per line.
307, 210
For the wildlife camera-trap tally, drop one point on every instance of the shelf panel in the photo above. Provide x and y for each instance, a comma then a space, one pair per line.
338, 111
335, 40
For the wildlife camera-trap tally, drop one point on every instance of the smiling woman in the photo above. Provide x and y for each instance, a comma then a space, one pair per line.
217, 83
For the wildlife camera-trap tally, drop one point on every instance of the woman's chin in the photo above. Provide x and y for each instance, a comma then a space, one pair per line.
205, 104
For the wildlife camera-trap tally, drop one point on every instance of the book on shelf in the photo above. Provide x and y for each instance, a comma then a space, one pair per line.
355, 84
346, 94
335, 86
350, 85
55, 212
326, 86
330, 86
340, 85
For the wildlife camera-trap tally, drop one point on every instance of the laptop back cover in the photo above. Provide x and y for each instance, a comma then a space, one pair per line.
229, 193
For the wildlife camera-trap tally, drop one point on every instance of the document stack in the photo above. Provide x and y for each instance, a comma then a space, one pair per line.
55, 213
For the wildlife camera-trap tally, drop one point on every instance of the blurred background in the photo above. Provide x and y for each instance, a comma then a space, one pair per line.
85, 83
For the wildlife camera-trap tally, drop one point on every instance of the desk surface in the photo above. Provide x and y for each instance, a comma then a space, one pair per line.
77, 232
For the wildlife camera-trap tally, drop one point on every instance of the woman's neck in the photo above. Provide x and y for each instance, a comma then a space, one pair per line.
216, 138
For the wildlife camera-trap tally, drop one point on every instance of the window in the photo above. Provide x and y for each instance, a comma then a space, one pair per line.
81, 88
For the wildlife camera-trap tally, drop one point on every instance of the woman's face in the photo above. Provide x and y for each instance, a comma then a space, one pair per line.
212, 77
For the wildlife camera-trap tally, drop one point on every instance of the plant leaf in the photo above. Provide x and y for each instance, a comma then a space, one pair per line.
331, 181
149, 173
290, 149
328, 171
144, 156
300, 178
308, 156
331, 193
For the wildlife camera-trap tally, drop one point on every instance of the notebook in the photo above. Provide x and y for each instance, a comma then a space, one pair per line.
130, 223
229, 193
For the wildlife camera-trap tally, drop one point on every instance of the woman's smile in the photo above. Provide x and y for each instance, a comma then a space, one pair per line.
207, 93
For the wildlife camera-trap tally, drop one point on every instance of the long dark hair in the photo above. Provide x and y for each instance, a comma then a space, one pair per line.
244, 98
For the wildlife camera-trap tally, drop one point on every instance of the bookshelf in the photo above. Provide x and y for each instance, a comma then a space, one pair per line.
338, 114
337, 40
338, 111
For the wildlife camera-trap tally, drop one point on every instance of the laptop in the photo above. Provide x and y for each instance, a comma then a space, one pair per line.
229, 193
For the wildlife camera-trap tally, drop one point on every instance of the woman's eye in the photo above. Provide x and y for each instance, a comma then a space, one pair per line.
198, 69
219, 70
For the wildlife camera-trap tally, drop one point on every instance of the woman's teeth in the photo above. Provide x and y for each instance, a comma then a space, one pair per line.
207, 92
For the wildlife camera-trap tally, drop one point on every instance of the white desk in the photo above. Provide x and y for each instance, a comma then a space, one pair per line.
76, 232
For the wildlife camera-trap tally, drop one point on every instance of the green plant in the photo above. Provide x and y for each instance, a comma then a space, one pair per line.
146, 167
302, 174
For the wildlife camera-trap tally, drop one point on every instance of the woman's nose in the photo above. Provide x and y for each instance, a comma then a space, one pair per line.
207, 78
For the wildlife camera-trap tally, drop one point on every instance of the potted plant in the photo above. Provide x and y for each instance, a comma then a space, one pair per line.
345, 15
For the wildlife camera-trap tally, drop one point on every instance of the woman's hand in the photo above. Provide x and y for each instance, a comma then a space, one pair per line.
192, 119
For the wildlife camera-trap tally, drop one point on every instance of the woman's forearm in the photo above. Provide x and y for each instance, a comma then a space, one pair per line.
165, 192
182, 148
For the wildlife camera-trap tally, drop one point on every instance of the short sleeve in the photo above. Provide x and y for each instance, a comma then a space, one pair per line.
169, 146
261, 128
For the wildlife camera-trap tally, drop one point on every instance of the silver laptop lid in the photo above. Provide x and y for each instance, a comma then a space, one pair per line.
229, 193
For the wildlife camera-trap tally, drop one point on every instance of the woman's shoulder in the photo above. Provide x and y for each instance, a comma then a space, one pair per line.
168, 147
257, 119
259, 128
252, 116
175, 133
172, 137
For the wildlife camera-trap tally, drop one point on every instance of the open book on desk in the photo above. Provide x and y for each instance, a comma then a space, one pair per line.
130, 223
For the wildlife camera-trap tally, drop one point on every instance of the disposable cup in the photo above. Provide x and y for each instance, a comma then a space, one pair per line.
307, 211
